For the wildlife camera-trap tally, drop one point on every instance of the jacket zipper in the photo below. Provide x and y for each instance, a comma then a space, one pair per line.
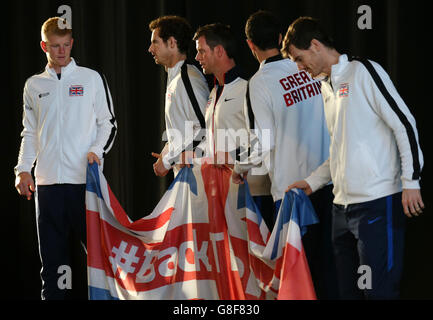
334, 97
213, 113
59, 125
213, 119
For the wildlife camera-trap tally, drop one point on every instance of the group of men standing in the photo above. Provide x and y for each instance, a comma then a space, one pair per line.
313, 119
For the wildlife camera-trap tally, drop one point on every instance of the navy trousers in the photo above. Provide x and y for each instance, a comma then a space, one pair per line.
266, 207
60, 213
369, 234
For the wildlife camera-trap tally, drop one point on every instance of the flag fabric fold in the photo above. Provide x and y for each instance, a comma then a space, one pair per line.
205, 239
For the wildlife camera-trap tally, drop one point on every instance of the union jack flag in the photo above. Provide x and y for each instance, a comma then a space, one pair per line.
76, 91
344, 90
205, 239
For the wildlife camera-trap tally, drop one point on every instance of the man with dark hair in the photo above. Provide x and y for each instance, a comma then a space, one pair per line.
288, 103
176, 27
68, 122
375, 161
186, 94
264, 30
225, 120
302, 31
218, 34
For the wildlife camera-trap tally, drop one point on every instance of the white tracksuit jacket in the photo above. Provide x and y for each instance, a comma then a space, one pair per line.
374, 141
63, 120
179, 113
287, 103
227, 127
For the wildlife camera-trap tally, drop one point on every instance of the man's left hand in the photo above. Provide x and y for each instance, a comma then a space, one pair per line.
91, 157
412, 202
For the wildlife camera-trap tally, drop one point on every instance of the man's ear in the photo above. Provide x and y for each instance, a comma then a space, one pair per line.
251, 45
43, 46
171, 42
219, 50
316, 45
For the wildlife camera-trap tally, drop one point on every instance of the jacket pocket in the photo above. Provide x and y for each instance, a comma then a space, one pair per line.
360, 171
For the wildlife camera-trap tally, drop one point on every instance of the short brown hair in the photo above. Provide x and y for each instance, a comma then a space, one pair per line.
263, 29
176, 27
218, 34
51, 26
302, 31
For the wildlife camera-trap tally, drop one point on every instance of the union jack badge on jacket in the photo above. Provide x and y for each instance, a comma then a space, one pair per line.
344, 90
76, 91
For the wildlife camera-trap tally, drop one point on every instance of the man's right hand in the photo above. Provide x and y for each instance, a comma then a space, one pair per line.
25, 185
239, 178
303, 185
158, 166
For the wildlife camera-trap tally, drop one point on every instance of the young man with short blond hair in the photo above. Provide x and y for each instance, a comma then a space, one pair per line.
68, 122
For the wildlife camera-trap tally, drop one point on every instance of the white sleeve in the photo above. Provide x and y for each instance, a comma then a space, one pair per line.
388, 104
184, 124
320, 177
164, 151
258, 111
105, 119
180, 128
29, 143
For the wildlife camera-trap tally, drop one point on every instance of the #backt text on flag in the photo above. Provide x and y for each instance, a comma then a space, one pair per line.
205, 239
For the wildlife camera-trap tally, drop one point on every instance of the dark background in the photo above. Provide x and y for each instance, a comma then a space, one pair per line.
112, 36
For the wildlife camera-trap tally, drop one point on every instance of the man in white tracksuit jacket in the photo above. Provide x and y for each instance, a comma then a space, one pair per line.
186, 95
375, 161
68, 121
227, 132
288, 103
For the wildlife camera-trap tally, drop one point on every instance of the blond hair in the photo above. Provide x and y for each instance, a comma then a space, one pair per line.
54, 26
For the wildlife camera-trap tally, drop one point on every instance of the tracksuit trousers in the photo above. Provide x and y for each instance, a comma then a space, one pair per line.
60, 211
368, 240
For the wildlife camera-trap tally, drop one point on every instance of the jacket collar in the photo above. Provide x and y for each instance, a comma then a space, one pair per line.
278, 57
338, 68
173, 71
230, 76
64, 70
269, 60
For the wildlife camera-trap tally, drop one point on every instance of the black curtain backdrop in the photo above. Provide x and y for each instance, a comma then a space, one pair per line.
112, 36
